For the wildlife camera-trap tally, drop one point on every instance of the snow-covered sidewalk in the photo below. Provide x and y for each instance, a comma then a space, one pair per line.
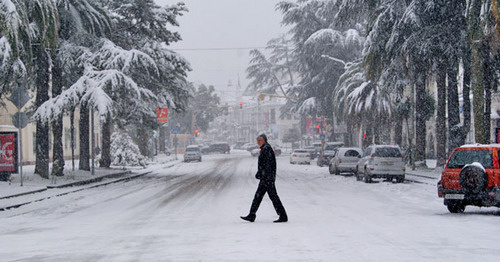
33, 183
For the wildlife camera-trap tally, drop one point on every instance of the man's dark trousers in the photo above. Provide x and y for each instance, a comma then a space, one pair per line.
269, 187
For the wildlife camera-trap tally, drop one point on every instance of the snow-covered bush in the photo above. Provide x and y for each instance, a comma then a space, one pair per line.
124, 152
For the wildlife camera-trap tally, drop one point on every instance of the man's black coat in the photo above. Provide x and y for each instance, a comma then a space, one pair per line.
267, 164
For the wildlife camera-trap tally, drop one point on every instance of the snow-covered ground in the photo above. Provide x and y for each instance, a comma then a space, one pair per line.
190, 212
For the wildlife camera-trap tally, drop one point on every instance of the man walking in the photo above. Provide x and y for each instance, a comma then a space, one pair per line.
266, 173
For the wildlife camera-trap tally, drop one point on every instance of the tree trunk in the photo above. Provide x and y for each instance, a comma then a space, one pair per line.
106, 142
42, 68
84, 138
161, 137
420, 125
488, 83
453, 107
441, 116
57, 125
464, 130
476, 36
143, 137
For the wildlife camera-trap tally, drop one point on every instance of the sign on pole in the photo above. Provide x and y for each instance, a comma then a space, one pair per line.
8, 153
162, 114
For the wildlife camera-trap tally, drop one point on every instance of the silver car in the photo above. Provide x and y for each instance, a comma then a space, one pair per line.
381, 161
345, 160
192, 153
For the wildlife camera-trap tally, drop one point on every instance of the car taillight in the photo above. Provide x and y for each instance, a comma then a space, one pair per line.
372, 156
308, 156
294, 155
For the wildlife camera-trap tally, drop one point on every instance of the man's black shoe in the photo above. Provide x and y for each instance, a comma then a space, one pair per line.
281, 220
249, 218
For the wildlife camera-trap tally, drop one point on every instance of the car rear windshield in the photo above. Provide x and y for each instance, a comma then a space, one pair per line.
460, 158
332, 147
192, 149
387, 152
301, 151
351, 153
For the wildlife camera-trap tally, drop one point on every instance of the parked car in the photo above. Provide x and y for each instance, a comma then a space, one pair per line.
251, 147
239, 145
192, 153
329, 151
255, 152
381, 161
222, 148
345, 160
277, 150
167, 151
471, 177
300, 156
312, 151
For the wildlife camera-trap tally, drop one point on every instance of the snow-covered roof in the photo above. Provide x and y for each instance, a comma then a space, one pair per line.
480, 145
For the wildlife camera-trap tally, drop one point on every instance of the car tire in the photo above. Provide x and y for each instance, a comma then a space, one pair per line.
330, 169
337, 172
473, 179
400, 179
455, 207
367, 177
356, 174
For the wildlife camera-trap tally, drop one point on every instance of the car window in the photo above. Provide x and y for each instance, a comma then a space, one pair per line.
367, 152
460, 158
192, 149
387, 152
351, 153
300, 151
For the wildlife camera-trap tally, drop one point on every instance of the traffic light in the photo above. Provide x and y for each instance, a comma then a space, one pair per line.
241, 105
196, 133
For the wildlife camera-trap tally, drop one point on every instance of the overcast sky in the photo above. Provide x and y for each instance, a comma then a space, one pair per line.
224, 24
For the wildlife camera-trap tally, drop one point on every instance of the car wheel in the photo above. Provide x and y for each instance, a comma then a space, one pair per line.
330, 169
356, 174
455, 207
367, 177
473, 179
400, 179
337, 172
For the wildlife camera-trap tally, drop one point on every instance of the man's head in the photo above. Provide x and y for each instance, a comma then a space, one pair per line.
261, 140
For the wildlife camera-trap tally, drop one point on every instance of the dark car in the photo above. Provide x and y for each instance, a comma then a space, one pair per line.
329, 151
277, 150
221, 148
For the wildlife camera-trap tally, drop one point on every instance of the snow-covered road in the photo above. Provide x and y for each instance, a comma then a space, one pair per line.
190, 212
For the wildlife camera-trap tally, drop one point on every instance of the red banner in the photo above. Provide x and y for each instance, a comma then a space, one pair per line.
8, 152
162, 114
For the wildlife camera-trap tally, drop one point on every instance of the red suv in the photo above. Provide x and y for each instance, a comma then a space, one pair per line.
471, 177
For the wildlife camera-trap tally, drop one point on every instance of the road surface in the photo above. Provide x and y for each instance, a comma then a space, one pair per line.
190, 212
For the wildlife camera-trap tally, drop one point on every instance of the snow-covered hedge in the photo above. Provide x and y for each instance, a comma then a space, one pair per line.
124, 152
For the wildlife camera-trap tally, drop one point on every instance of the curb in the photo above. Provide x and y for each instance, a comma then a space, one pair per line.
89, 181
80, 189
24, 193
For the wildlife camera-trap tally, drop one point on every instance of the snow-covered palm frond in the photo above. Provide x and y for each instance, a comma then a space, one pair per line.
15, 44
99, 89
111, 56
83, 16
308, 106
44, 22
